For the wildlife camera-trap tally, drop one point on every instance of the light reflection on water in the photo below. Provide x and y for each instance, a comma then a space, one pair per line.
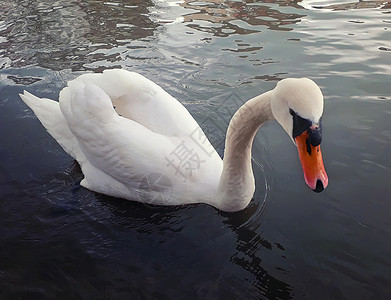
62, 240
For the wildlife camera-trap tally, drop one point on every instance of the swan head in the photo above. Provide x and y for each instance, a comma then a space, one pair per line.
297, 104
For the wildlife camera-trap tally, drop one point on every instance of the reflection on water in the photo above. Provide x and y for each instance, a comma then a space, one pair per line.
233, 17
357, 5
61, 240
36, 32
250, 255
69, 34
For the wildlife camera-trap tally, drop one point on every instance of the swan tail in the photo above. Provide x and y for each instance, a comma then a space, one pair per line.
49, 114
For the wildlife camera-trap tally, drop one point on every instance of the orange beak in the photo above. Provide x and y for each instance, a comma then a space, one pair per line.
311, 160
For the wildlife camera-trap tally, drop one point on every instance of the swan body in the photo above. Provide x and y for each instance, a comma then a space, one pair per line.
134, 141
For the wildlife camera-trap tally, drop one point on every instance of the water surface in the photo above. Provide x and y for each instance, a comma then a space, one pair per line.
58, 240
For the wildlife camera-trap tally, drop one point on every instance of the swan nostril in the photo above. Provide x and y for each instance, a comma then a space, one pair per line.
319, 186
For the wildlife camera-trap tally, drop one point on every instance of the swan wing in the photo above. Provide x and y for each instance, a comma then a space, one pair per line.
141, 100
119, 151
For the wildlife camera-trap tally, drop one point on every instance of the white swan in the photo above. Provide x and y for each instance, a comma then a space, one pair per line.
149, 148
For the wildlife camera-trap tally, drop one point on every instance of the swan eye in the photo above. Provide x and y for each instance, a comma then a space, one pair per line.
300, 125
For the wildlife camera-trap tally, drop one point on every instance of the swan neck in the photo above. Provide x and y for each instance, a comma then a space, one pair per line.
237, 184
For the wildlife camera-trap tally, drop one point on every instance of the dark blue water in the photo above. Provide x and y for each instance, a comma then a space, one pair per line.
58, 240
